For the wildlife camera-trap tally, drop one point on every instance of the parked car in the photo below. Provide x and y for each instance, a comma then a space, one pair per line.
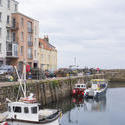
6, 69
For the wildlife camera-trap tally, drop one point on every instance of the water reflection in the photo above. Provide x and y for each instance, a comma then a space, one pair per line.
97, 105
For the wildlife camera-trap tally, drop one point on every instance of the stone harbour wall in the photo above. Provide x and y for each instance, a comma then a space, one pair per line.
46, 91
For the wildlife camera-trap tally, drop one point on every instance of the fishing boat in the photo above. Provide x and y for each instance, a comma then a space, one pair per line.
79, 89
98, 88
27, 111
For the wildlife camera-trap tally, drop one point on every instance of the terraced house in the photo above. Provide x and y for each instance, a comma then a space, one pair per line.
47, 55
19, 40
25, 31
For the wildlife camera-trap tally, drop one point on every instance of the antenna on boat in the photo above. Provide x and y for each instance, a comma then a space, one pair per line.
22, 85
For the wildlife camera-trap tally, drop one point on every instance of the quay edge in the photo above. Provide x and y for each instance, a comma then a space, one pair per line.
46, 91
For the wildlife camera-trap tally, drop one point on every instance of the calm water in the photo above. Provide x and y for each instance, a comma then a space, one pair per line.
107, 111
110, 110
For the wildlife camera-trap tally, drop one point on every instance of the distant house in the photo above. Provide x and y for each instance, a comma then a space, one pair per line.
47, 55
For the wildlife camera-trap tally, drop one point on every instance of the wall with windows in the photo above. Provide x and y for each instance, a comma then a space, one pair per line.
27, 34
35, 43
47, 56
7, 7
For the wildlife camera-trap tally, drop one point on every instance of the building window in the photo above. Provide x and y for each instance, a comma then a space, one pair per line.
0, 47
48, 58
42, 58
15, 7
8, 35
22, 36
21, 51
0, 16
9, 47
13, 36
29, 37
15, 50
0, 32
8, 4
35, 53
29, 25
8, 19
22, 22
13, 22
30, 43
30, 53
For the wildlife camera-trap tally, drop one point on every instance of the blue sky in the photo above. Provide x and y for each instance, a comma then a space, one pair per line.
93, 31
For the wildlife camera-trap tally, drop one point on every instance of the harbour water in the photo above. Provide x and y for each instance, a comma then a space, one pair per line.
109, 110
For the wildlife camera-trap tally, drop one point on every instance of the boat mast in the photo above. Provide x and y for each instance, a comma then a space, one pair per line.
24, 72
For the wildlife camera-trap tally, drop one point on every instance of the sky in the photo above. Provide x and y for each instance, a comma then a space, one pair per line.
90, 31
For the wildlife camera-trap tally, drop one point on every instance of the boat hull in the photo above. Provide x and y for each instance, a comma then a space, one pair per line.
98, 94
52, 121
19, 122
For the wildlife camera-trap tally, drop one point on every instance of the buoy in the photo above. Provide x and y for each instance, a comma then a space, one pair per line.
82, 93
74, 91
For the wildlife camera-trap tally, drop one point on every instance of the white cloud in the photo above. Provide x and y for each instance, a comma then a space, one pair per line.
82, 28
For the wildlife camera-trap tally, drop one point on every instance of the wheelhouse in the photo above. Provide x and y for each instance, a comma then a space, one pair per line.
20, 109
80, 86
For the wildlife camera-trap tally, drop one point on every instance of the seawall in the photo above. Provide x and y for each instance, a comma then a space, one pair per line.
46, 91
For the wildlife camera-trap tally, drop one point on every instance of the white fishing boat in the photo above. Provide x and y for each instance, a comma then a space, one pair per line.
98, 88
26, 111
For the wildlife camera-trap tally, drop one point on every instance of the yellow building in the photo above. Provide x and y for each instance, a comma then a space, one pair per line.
47, 55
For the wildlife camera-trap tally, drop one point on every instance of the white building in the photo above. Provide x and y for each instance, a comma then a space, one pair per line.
7, 48
35, 43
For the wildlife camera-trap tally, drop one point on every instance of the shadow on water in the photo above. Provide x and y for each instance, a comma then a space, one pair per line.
116, 85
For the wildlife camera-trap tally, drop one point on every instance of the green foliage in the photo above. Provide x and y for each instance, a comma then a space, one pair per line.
55, 83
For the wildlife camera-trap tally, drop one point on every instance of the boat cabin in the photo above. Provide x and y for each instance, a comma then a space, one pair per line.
80, 86
98, 83
23, 111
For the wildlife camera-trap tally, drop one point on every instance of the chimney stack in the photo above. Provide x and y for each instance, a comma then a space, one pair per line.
46, 38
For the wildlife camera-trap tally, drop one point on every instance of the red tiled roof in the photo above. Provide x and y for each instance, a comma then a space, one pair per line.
46, 45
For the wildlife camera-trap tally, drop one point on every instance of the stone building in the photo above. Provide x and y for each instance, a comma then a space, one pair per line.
47, 55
